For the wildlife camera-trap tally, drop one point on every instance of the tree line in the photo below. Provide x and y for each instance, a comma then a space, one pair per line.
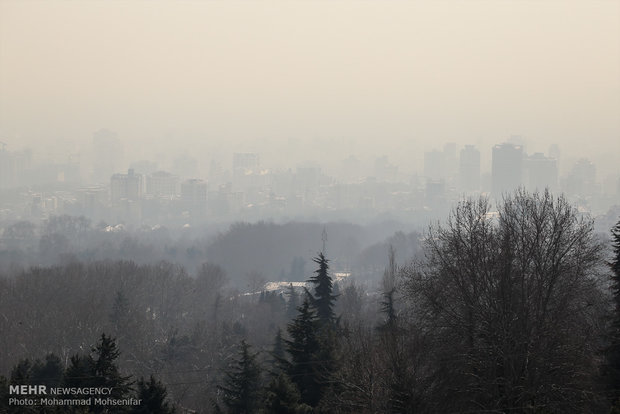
96, 369
513, 309
508, 311
269, 250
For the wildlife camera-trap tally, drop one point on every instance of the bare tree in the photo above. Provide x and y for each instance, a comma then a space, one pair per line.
512, 303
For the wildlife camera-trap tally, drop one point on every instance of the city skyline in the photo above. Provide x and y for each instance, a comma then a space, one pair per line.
244, 187
305, 80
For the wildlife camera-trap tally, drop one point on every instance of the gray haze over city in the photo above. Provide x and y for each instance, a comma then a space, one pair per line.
191, 113
311, 206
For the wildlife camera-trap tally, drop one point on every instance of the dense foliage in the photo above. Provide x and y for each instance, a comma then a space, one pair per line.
509, 310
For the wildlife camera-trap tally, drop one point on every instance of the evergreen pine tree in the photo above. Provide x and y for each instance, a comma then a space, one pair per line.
98, 370
22, 372
389, 291
34, 373
282, 397
154, 398
48, 373
4, 394
242, 383
323, 298
302, 347
279, 363
80, 372
105, 369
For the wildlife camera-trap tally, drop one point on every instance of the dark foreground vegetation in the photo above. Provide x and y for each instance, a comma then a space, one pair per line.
516, 311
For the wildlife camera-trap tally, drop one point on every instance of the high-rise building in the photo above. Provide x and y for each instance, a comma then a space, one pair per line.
434, 165
7, 169
14, 167
384, 170
451, 164
582, 178
554, 151
245, 163
93, 201
194, 197
107, 154
542, 172
126, 186
162, 184
247, 175
506, 168
469, 169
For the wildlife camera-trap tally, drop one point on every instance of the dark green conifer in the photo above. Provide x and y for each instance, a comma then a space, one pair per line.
279, 363
48, 373
282, 397
242, 383
154, 398
323, 298
302, 347
389, 291
22, 372
80, 372
105, 369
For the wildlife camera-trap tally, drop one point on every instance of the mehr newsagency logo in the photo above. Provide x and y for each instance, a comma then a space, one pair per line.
41, 395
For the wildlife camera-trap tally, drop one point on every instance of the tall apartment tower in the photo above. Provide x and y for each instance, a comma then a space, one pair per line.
194, 197
582, 178
506, 168
7, 169
451, 164
126, 186
435, 165
246, 171
542, 172
244, 163
469, 169
162, 184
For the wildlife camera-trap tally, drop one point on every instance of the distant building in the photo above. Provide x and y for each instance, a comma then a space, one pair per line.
542, 172
469, 169
384, 170
434, 165
249, 178
554, 152
92, 201
7, 169
245, 163
162, 184
506, 168
194, 197
435, 194
451, 163
582, 178
126, 186
185, 166
14, 167
306, 181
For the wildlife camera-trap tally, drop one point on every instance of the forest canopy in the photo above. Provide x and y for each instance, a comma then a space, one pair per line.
497, 309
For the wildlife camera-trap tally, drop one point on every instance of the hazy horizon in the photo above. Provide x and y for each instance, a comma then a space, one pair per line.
305, 81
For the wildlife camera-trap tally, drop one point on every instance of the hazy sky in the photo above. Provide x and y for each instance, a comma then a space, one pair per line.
363, 77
